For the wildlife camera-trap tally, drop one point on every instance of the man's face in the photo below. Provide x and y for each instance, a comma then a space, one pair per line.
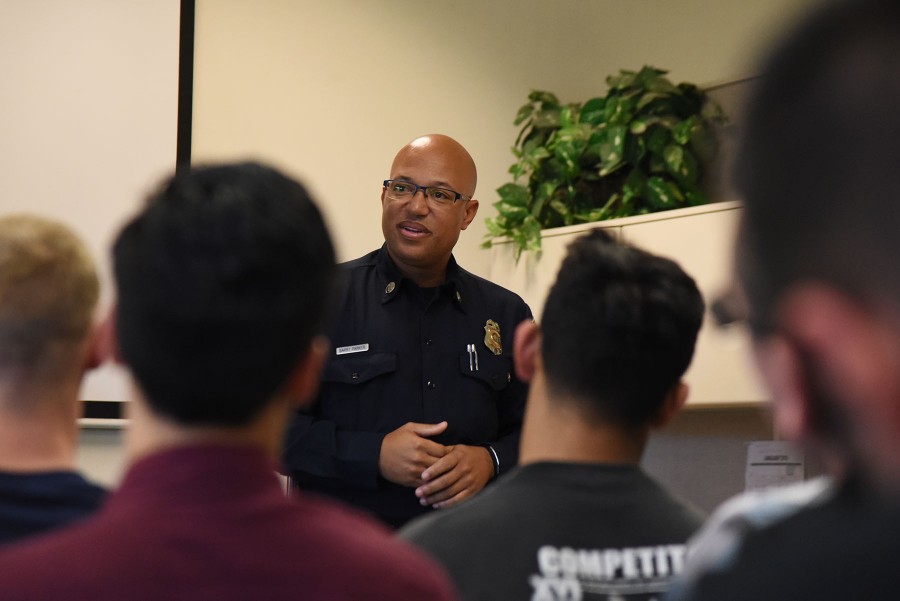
420, 236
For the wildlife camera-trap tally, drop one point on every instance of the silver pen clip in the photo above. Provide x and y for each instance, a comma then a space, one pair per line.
475, 350
469, 349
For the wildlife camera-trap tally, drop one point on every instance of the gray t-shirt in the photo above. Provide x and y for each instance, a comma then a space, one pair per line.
562, 531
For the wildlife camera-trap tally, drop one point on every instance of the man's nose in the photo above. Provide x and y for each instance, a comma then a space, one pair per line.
417, 204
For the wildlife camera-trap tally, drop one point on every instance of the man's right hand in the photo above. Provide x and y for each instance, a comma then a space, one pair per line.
408, 451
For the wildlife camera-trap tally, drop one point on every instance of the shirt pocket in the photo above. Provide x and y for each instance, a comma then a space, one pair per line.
493, 371
360, 369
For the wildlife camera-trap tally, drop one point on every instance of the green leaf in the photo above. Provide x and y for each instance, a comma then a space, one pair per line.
647, 99
525, 112
673, 155
680, 163
682, 131
514, 195
616, 111
561, 208
592, 111
546, 118
635, 183
635, 149
663, 194
567, 115
568, 147
512, 213
544, 192
658, 137
543, 97
704, 143
639, 126
694, 197
494, 228
621, 81
613, 152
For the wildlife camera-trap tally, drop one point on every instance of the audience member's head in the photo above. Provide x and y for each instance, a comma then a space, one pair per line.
817, 170
223, 280
48, 340
48, 294
618, 330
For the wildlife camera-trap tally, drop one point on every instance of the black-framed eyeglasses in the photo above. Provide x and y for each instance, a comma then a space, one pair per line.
401, 190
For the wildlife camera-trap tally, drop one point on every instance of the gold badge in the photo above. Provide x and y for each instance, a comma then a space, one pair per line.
492, 336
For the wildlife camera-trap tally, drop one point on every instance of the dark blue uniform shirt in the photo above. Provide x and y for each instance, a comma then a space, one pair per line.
399, 354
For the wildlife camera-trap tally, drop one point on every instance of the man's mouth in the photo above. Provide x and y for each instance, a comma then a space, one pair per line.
413, 229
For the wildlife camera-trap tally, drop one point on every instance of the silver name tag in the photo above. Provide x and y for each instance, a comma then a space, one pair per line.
356, 348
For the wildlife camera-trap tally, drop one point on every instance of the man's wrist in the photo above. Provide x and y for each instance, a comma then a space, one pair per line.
495, 459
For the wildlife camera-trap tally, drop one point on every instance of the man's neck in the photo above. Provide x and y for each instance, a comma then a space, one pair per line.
39, 434
558, 431
150, 432
424, 276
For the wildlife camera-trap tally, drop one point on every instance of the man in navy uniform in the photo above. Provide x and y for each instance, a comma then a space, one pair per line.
419, 406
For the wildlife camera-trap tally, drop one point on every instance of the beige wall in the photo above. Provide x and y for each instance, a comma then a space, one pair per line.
88, 106
88, 109
306, 84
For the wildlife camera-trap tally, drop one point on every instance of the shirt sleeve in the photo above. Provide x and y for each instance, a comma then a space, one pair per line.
319, 448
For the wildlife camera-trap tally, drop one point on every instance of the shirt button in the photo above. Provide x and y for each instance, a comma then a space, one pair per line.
390, 287
428, 342
354, 376
431, 385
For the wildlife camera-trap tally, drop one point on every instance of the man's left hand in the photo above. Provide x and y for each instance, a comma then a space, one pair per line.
459, 474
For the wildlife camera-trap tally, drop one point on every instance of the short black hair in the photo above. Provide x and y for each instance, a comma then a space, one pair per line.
222, 279
619, 329
817, 165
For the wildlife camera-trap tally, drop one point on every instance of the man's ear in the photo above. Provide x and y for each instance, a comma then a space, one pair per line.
103, 346
672, 404
783, 371
527, 350
303, 383
471, 210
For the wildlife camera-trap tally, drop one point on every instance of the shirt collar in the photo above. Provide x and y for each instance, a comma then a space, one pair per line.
393, 281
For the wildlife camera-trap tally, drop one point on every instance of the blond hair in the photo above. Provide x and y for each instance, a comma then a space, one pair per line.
48, 294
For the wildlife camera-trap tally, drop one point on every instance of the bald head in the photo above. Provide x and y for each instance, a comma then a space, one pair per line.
447, 156
420, 237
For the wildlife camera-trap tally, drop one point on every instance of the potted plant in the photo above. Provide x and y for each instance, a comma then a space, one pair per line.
640, 148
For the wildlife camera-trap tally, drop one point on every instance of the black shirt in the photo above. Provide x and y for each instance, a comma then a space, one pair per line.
402, 354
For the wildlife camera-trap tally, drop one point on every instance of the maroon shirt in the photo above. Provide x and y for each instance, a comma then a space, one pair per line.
211, 522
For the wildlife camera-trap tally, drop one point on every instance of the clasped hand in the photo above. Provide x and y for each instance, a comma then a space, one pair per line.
443, 475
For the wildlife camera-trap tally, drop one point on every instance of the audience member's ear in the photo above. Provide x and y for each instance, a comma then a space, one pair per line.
102, 346
781, 368
672, 404
303, 384
527, 349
